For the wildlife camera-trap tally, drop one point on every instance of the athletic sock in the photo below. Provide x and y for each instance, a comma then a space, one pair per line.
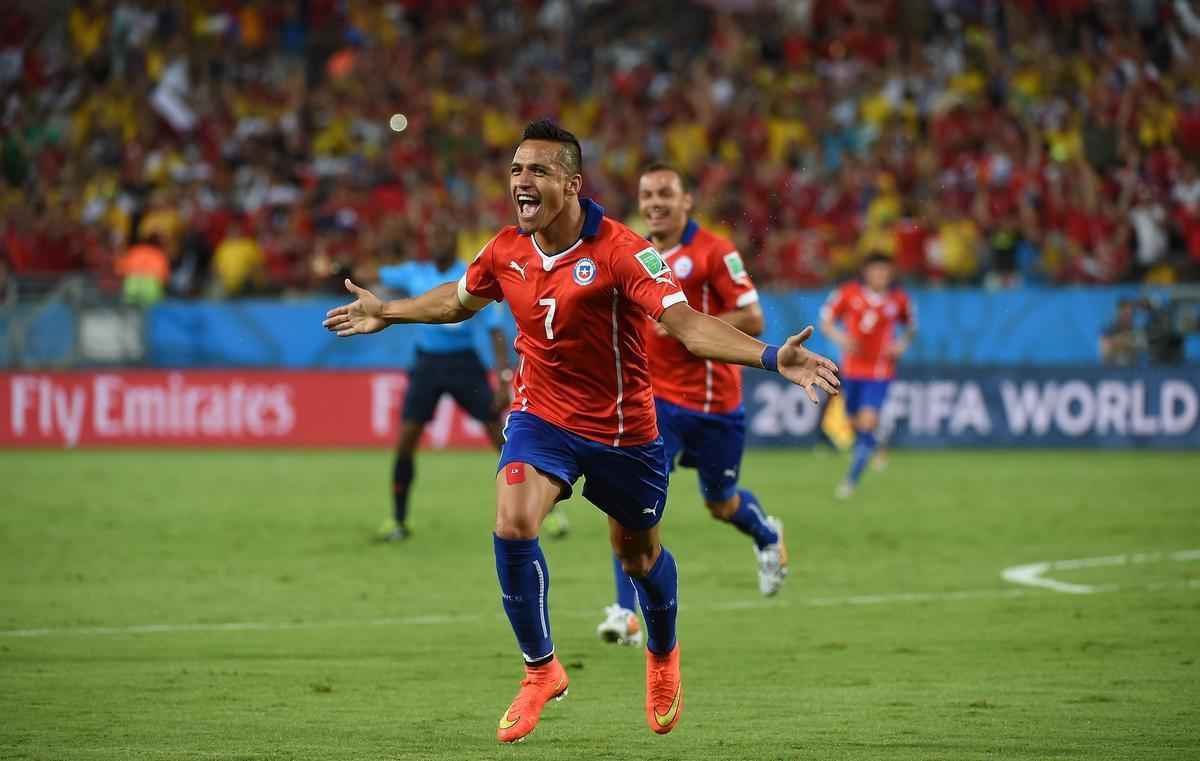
626, 593
864, 447
525, 590
658, 592
402, 478
751, 519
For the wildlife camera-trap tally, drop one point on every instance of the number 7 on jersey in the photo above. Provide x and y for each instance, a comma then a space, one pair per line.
551, 305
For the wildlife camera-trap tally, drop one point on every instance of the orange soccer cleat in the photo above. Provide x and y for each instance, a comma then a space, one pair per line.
541, 683
664, 691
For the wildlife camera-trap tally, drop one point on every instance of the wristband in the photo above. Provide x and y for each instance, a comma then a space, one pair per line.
770, 358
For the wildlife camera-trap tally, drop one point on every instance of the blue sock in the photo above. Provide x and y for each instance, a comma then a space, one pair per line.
626, 594
525, 589
750, 519
864, 447
658, 592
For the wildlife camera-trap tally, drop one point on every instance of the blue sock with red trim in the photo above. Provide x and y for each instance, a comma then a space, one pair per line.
626, 592
525, 590
751, 519
658, 592
864, 447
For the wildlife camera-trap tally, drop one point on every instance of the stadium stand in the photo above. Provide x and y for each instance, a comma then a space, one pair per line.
978, 142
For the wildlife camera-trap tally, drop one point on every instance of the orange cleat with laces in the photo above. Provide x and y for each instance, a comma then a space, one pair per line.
664, 691
541, 683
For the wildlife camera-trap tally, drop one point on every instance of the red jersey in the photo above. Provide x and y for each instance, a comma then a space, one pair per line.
711, 273
870, 319
581, 324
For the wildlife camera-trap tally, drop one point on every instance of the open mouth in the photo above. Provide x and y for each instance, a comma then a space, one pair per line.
528, 205
654, 216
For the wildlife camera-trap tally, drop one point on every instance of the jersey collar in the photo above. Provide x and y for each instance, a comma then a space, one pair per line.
689, 234
593, 215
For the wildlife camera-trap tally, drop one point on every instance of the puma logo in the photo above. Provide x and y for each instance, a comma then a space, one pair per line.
518, 267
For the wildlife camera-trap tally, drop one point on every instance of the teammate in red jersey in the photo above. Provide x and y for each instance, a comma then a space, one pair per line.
869, 311
699, 401
581, 286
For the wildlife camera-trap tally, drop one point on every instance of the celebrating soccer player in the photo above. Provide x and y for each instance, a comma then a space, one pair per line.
699, 401
581, 286
870, 311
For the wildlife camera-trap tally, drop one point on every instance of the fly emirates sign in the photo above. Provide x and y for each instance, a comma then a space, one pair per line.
218, 408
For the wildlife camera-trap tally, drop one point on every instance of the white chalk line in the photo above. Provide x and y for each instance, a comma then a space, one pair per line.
444, 620
1034, 574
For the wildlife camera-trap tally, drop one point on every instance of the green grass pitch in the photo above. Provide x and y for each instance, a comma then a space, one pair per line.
217, 605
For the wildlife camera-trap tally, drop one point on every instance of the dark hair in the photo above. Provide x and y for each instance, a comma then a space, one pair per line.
876, 257
662, 166
571, 155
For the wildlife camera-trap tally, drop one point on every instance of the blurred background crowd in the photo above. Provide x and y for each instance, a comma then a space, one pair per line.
233, 147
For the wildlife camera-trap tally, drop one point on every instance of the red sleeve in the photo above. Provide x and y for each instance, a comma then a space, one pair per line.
727, 273
835, 306
645, 279
480, 284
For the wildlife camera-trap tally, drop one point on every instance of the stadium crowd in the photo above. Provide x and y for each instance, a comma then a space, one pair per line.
229, 147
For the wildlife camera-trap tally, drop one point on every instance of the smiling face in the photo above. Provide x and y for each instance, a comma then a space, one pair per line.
541, 183
663, 203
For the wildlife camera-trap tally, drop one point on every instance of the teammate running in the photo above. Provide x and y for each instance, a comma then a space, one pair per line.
699, 401
870, 311
581, 286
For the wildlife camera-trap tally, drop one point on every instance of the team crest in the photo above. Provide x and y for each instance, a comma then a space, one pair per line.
682, 267
585, 271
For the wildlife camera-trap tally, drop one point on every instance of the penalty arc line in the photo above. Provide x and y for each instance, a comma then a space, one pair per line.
444, 620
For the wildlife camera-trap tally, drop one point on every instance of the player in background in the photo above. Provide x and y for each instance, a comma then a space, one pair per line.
446, 362
699, 401
869, 311
580, 286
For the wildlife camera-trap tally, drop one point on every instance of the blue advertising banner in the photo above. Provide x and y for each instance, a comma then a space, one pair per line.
932, 407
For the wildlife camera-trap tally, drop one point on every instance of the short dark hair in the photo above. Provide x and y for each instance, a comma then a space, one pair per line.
571, 155
662, 166
877, 257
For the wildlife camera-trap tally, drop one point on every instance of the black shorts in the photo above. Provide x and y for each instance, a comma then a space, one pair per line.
459, 374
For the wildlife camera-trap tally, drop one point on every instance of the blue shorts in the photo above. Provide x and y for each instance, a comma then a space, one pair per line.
862, 392
628, 483
710, 443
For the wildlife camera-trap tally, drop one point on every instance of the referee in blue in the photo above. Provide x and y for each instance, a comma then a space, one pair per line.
446, 362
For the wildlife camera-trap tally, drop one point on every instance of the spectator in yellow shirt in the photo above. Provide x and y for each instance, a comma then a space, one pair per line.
239, 262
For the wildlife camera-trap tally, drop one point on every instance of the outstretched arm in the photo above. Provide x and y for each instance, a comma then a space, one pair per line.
369, 314
710, 338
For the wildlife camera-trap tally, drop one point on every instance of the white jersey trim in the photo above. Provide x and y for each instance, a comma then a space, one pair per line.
747, 298
468, 299
708, 365
616, 339
549, 261
672, 299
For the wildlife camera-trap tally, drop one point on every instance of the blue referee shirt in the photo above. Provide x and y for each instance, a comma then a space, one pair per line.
415, 278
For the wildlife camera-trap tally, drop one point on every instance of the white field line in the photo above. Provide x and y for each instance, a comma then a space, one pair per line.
443, 620
1034, 574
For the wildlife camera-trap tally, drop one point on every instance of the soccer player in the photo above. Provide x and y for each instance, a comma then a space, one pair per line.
446, 362
869, 310
699, 401
580, 286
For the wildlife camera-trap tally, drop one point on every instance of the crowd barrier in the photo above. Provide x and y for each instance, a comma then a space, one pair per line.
927, 407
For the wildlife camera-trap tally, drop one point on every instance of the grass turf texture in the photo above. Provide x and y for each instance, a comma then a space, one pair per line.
402, 651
